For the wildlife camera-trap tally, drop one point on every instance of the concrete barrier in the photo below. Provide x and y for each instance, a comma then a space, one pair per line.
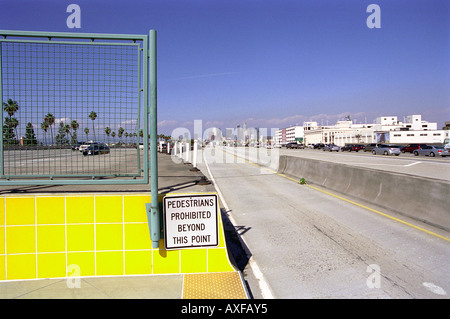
416, 197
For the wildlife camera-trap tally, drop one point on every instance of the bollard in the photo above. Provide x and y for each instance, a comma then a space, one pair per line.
194, 158
188, 149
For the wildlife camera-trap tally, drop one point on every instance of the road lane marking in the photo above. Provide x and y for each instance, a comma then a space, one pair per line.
412, 164
434, 288
357, 204
264, 287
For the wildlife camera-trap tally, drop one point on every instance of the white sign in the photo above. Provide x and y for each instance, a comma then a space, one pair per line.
190, 221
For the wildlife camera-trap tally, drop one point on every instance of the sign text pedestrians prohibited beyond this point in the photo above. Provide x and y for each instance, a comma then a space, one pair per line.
190, 221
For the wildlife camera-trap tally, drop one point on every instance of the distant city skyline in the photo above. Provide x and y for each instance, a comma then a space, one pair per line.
275, 63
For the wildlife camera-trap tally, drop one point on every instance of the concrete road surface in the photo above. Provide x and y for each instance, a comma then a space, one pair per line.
307, 243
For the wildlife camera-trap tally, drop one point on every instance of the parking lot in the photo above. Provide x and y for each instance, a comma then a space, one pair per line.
120, 161
405, 163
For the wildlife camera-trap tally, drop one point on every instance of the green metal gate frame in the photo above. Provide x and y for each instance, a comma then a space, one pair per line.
149, 100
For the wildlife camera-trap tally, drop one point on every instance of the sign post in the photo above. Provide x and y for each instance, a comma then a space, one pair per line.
191, 221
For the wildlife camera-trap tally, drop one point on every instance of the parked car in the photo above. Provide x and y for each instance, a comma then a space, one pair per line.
96, 149
431, 150
76, 147
331, 147
164, 147
410, 148
294, 145
352, 147
370, 147
347, 147
84, 146
387, 149
319, 146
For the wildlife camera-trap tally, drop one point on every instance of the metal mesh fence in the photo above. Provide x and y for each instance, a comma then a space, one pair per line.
71, 109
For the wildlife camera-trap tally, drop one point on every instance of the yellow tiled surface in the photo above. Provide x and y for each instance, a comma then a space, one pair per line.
20, 211
109, 209
50, 210
46, 236
50, 238
80, 209
222, 285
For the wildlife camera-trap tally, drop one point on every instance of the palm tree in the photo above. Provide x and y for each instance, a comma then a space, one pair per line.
11, 107
67, 130
44, 127
50, 119
86, 130
93, 116
120, 133
74, 125
107, 131
113, 134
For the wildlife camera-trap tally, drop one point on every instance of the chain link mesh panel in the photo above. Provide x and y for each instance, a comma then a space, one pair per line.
72, 109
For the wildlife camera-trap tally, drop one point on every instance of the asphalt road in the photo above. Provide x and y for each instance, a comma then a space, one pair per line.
305, 243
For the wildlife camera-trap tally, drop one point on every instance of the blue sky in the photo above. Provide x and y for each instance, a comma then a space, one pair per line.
275, 63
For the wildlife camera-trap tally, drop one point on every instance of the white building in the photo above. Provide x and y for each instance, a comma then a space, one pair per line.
289, 134
422, 137
386, 120
414, 122
385, 129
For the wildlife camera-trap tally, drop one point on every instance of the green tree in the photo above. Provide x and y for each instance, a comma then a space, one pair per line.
93, 116
11, 107
50, 119
61, 138
86, 131
8, 133
74, 125
30, 137
13, 124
